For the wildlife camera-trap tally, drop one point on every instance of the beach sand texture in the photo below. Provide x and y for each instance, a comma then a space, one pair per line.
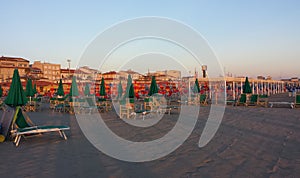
251, 142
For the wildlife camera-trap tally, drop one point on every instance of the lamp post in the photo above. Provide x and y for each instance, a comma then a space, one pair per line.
204, 69
69, 62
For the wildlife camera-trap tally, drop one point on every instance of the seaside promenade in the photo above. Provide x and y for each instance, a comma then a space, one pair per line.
251, 142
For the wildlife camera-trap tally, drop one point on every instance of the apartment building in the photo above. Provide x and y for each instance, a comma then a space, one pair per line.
8, 64
50, 71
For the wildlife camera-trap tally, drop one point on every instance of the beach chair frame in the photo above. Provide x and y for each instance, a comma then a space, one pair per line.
22, 126
297, 100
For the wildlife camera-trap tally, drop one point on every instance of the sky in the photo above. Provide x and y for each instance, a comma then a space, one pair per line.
249, 38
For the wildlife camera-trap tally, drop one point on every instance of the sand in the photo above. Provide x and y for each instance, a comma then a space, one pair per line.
251, 142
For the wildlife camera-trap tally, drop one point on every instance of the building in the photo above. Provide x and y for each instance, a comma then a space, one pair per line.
50, 71
8, 64
134, 75
86, 73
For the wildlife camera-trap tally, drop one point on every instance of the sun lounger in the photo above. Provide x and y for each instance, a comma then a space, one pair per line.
290, 104
23, 126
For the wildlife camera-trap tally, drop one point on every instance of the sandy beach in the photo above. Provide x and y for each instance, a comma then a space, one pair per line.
251, 142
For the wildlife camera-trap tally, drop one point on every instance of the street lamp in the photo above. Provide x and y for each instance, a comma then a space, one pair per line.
69, 62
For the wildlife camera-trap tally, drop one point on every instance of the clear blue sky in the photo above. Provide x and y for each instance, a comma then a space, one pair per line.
249, 37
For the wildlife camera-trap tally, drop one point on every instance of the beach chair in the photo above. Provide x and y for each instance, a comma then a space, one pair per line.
126, 111
91, 106
253, 100
22, 126
263, 100
6, 121
242, 100
31, 106
203, 99
174, 105
297, 100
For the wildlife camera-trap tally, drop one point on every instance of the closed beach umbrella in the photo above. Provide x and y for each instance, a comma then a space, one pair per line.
16, 95
129, 83
131, 91
196, 86
102, 88
29, 89
60, 89
74, 88
34, 89
87, 90
247, 87
1, 91
120, 90
153, 87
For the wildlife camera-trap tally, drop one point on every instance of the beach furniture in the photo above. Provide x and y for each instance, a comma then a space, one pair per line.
101, 103
126, 110
91, 106
31, 106
6, 121
253, 101
242, 100
290, 104
297, 100
203, 99
263, 100
22, 126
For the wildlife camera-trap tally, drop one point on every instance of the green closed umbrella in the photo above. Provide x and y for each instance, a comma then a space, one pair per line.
34, 89
131, 91
247, 88
74, 88
87, 90
16, 95
60, 89
102, 88
196, 86
29, 90
120, 90
129, 83
1, 91
153, 87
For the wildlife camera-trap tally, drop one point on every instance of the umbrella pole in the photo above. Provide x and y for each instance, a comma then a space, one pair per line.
16, 114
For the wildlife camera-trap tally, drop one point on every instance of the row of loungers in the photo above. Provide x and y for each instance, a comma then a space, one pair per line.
261, 100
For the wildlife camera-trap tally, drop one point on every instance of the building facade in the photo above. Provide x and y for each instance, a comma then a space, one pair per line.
8, 64
50, 71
